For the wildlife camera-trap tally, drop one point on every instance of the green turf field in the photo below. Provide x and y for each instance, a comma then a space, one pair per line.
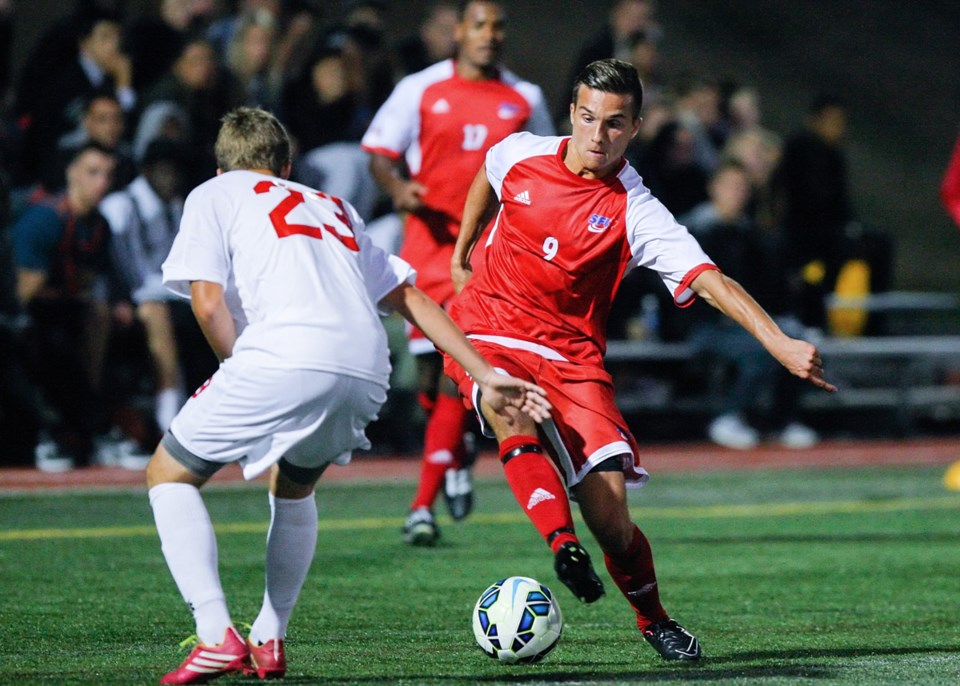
830, 576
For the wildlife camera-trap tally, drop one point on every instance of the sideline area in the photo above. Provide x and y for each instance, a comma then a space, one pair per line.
665, 458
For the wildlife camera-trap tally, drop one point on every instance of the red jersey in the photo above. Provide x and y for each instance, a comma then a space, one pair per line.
559, 248
443, 125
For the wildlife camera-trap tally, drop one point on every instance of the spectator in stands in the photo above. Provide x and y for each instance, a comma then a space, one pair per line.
103, 122
250, 59
758, 149
669, 167
295, 28
368, 64
741, 110
205, 92
761, 389
828, 249
697, 109
144, 218
62, 251
49, 104
435, 40
626, 19
23, 410
645, 57
161, 120
321, 107
155, 41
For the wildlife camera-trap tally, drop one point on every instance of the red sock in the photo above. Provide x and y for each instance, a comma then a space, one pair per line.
635, 577
539, 490
442, 448
426, 402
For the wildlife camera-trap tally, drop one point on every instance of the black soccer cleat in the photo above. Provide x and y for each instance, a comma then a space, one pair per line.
458, 492
420, 528
573, 568
672, 641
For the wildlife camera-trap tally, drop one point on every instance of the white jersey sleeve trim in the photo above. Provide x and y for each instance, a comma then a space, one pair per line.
395, 128
540, 121
514, 148
658, 242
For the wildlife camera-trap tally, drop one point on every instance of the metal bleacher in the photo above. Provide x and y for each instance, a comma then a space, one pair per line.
910, 374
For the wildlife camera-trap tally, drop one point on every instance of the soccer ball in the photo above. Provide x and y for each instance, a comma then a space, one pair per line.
517, 620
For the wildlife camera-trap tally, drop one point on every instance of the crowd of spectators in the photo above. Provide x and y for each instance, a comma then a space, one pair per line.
111, 121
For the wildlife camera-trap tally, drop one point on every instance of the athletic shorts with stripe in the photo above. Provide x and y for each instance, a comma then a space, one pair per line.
585, 428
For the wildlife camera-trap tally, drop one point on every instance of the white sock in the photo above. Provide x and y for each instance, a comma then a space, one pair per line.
166, 405
190, 548
291, 542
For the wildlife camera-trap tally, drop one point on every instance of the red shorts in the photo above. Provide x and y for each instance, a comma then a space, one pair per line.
585, 428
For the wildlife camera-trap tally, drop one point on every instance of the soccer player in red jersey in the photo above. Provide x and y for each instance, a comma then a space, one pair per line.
437, 125
571, 218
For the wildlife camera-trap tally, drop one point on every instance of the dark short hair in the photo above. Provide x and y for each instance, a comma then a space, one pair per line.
88, 147
99, 94
164, 150
611, 76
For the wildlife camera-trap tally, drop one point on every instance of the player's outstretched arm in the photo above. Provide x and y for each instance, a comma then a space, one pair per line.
499, 390
480, 206
801, 358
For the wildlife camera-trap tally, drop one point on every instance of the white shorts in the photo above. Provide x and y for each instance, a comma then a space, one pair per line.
256, 415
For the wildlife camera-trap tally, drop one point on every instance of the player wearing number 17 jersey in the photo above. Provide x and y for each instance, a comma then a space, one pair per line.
572, 217
286, 287
439, 123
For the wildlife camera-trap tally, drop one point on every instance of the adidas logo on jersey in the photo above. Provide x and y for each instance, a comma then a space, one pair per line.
538, 496
523, 197
441, 106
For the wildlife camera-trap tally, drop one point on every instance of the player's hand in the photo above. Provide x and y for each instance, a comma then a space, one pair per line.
803, 360
501, 391
408, 196
460, 274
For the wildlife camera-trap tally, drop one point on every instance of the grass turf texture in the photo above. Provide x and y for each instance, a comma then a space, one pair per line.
830, 576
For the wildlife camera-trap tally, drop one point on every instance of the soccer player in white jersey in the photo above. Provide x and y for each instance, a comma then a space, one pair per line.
572, 217
438, 123
286, 287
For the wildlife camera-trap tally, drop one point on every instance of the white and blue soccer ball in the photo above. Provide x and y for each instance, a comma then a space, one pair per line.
517, 619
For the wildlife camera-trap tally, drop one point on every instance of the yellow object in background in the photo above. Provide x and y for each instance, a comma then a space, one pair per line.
813, 272
849, 318
952, 478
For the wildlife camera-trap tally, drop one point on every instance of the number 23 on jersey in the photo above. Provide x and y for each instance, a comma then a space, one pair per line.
293, 199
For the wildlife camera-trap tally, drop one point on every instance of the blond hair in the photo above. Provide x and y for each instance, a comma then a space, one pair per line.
252, 138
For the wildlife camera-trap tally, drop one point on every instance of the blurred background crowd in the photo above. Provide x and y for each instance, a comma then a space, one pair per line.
109, 119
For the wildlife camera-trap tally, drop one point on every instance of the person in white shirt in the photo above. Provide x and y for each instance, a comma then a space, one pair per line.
144, 218
287, 289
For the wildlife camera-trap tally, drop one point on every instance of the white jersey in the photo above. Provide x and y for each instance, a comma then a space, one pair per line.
300, 277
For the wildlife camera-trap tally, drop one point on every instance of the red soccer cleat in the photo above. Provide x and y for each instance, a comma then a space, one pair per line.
266, 661
205, 663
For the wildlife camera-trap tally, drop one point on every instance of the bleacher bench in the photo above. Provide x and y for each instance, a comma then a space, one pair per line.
911, 376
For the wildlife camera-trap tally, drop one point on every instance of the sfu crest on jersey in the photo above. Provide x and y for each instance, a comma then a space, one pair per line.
598, 223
